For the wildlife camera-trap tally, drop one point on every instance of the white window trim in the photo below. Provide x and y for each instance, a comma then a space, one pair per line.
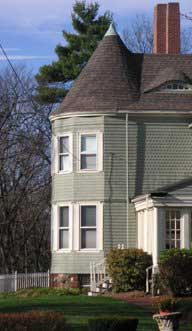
99, 155
99, 226
56, 153
181, 230
74, 227
56, 227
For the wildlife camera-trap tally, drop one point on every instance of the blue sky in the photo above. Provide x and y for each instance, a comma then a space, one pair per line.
30, 29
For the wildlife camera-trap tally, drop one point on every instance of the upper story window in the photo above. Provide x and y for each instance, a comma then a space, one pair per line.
64, 227
176, 86
173, 229
90, 159
86, 156
64, 156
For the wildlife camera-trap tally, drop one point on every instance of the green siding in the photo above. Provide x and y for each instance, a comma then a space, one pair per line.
159, 153
74, 262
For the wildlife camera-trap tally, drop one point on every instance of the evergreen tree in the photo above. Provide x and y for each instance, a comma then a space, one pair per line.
89, 29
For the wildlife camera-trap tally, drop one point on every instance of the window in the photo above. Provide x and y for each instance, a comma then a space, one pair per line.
175, 86
88, 227
173, 229
88, 152
64, 227
64, 153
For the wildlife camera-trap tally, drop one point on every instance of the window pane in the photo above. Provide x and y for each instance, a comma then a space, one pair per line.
63, 239
64, 217
88, 161
64, 162
88, 216
88, 144
64, 145
88, 238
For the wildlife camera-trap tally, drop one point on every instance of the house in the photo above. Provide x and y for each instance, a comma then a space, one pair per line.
122, 153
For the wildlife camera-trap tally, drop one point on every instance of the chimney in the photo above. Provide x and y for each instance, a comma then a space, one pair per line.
160, 29
167, 29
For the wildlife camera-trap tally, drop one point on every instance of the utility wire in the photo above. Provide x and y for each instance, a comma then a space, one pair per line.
24, 88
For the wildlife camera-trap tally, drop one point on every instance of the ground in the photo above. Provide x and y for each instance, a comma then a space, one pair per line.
78, 309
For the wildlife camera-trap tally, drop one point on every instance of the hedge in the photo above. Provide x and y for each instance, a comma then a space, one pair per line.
127, 268
112, 324
175, 266
38, 321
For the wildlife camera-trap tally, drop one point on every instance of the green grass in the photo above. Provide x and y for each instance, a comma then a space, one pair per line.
79, 308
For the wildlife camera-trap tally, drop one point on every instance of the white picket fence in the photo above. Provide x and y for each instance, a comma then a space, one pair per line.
14, 282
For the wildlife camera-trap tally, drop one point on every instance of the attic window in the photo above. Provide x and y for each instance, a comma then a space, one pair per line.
176, 87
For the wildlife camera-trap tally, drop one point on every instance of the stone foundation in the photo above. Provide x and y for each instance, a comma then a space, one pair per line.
64, 281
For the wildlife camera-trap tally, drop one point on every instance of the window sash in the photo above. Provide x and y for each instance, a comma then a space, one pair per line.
63, 228
173, 229
88, 157
64, 157
88, 230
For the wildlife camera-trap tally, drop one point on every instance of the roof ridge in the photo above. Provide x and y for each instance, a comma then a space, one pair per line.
111, 31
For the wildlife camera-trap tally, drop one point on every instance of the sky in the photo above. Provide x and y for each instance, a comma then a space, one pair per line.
30, 29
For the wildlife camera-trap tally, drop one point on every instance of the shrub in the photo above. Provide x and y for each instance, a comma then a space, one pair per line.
112, 324
175, 267
127, 268
38, 321
38, 292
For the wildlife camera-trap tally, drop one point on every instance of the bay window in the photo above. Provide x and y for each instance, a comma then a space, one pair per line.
88, 152
88, 227
65, 153
64, 227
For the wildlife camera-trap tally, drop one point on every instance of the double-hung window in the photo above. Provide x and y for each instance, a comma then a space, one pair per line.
64, 227
65, 153
173, 229
88, 227
88, 152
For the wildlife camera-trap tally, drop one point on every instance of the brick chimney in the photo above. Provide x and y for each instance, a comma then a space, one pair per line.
167, 29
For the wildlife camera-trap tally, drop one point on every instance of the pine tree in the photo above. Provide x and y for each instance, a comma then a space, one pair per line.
89, 29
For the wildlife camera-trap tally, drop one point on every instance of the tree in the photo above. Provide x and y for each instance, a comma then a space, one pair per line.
55, 79
24, 176
138, 36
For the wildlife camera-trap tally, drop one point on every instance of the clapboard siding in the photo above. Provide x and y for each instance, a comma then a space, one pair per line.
115, 225
159, 153
74, 262
71, 187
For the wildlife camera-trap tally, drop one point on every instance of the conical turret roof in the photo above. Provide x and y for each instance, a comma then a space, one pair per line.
109, 82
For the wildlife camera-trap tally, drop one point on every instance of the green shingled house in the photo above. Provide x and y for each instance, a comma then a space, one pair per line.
122, 153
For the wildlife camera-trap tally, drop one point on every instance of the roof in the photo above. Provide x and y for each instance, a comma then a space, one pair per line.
115, 79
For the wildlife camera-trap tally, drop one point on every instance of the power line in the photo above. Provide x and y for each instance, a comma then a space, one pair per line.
187, 17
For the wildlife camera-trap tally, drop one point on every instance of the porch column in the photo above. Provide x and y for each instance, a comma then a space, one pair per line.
185, 228
158, 233
155, 236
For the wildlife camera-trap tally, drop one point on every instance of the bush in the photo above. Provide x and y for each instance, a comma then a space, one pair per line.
38, 292
38, 321
175, 267
127, 268
112, 324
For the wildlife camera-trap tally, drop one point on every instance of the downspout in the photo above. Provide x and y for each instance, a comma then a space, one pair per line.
127, 175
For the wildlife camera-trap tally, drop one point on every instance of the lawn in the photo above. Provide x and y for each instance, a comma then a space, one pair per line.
78, 309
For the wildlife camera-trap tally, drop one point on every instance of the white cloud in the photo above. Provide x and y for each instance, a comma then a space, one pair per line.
11, 49
25, 57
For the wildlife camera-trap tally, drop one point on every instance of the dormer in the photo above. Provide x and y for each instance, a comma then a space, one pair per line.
170, 80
